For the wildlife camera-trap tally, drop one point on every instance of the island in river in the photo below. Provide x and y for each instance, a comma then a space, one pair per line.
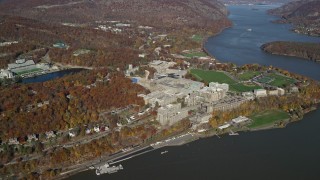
305, 50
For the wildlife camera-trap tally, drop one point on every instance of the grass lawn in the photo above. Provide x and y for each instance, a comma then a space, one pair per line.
195, 54
267, 118
265, 79
197, 38
212, 76
281, 81
248, 75
220, 77
29, 71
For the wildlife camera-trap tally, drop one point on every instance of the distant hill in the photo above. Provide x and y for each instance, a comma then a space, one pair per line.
157, 13
100, 26
305, 15
255, 1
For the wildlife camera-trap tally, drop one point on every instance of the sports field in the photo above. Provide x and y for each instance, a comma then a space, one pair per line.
220, 77
281, 81
276, 80
248, 75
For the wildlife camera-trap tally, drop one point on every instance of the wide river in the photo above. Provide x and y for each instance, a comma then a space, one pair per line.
291, 153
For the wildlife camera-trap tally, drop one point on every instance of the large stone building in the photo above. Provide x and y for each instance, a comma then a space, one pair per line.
159, 97
209, 94
161, 66
22, 65
223, 86
225, 104
260, 93
171, 114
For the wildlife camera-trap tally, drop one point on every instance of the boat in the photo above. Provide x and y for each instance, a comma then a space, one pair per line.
106, 168
164, 152
231, 133
249, 29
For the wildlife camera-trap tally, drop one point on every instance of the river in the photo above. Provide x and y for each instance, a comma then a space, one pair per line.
240, 46
289, 153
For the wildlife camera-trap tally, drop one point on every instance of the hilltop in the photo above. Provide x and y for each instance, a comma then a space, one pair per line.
304, 15
111, 32
157, 13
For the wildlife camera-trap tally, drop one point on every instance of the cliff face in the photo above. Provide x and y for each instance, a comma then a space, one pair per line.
305, 15
162, 13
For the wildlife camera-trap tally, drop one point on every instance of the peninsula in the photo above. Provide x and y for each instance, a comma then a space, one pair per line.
309, 51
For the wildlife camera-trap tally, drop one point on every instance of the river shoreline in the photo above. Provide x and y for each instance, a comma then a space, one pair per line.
107, 158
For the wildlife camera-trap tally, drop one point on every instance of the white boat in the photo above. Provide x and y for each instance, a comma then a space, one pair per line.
231, 133
164, 152
249, 29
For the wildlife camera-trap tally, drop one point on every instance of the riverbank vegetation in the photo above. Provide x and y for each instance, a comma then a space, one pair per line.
310, 51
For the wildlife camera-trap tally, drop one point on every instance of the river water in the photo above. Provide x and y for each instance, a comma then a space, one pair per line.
289, 153
50, 76
240, 46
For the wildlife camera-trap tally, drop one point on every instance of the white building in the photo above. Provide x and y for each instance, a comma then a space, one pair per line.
22, 65
248, 95
160, 97
223, 86
32, 137
273, 92
96, 129
294, 89
142, 55
260, 93
240, 119
211, 94
171, 114
50, 134
225, 104
161, 66
6, 74
72, 134
281, 91
13, 141
225, 126
88, 131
